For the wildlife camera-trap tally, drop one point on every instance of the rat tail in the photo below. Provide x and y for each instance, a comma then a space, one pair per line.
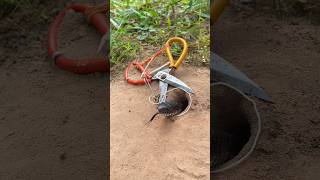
152, 118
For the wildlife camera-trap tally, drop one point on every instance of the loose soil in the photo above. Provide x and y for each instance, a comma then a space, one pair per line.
53, 123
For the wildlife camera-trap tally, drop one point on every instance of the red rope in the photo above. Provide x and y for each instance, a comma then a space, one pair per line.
82, 66
140, 66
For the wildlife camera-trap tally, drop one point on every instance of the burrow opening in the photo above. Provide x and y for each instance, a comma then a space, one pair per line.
231, 127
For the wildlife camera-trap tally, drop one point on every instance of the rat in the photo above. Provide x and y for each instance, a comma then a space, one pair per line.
176, 102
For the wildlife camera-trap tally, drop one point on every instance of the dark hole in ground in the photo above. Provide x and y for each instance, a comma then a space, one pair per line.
176, 102
231, 129
62, 157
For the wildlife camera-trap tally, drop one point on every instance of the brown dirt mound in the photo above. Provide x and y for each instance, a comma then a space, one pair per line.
164, 149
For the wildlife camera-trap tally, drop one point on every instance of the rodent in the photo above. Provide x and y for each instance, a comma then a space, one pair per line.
176, 102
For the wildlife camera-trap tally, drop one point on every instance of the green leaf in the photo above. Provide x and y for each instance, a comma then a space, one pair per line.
204, 15
142, 37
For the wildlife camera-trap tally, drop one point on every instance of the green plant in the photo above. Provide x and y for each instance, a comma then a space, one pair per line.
150, 23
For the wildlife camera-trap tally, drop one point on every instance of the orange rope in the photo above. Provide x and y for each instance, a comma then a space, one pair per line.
142, 67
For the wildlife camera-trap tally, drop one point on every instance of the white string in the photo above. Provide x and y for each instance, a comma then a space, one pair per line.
160, 100
257, 134
144, 71
55, 55
152, 58
153, 94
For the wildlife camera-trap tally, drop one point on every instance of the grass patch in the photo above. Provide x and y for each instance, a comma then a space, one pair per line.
138, 25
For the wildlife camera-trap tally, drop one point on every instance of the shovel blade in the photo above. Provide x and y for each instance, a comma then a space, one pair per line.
223, 71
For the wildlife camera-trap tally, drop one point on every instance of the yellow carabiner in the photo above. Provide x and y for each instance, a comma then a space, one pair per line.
183, 55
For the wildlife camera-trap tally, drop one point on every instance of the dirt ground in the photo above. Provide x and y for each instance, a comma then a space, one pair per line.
282, 56
52, 123
163, 149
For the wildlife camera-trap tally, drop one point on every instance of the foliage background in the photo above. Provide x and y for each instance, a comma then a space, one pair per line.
139, 25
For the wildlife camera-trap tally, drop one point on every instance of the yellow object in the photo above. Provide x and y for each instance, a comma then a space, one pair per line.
183, 55
217, 7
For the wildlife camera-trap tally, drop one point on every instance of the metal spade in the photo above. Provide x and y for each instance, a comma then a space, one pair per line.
223, 71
